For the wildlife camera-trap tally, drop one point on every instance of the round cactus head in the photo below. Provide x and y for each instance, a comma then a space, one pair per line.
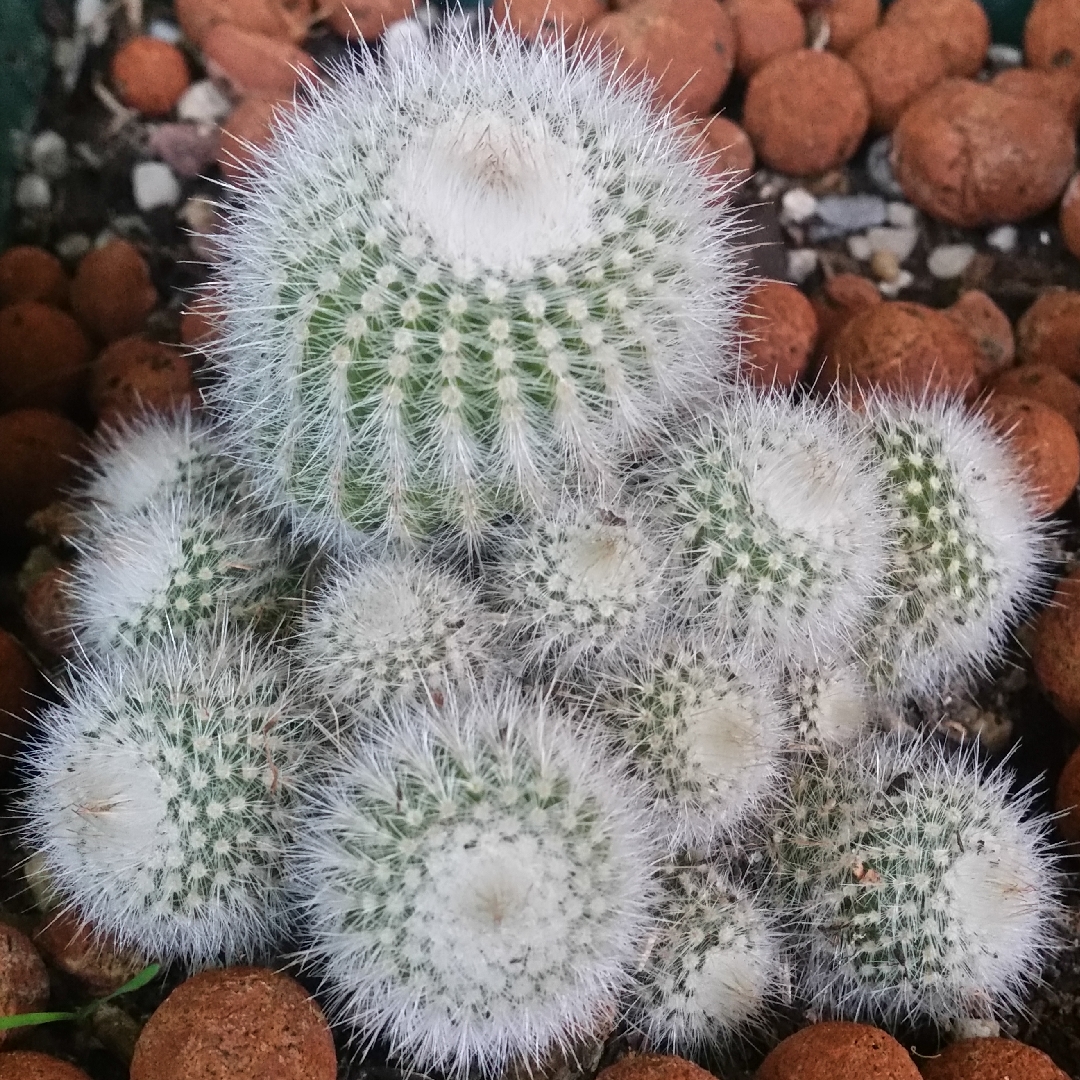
160, 796
919, 889
476, 882
830, 705
457, 275
967, 551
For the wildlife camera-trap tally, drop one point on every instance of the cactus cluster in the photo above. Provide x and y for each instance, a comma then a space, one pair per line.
497, 649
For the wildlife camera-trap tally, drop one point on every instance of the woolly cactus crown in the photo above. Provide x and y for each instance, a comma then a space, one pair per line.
458, 274
160, 796
476, 881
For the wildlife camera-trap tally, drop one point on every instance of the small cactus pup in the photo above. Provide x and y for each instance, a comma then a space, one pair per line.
713, 962
968, 552
918, 888
831, 705
176, 568
706, 736
160, 796
394, 627
476, 881
455, 277
773, 509
579, 583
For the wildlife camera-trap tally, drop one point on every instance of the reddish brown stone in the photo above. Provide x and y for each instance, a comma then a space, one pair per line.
255, 65
1042, 383
32, 273
149, 75
726, 149
367, 19
285, 19
654, 1067
1070, 216
547, 20
1056, 650
1060, 86
30, 1065
848, 20
1052, 34
897, 64
94, 961
837, 1050
1067, 799
46, 610
990, 1059
764, 29
44, 357
24, 982
112, 292
133, 375
19, 687
1049, 332
959, 27
989, 328
780, 329
250, 127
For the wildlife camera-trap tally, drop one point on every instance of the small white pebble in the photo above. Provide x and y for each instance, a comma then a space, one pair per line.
1003, 238
204, 103
949, 260
901, 214
801, 263
165, 31
92, 17
154, 184
72, 247
402, 38
49, 155
892, 289
797, 206
859, 248
1003, 56
900, 241
970, 1027
1045, 237
32, 193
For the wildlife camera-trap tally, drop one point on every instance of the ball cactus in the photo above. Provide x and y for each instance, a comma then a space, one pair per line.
476, 881
455, 276
160, 796
830, 705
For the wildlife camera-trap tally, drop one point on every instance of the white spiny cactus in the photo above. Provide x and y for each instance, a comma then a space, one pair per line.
160, 797
394, 628
476, 881
774, 511
830, 705
918, 887
967, 554
458, 275
712, 964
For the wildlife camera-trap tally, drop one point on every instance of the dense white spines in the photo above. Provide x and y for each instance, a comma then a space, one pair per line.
712, 964
919, 888
160, 796
394, 628
476, 882
774, 512
967, 551
830, 705
459, 275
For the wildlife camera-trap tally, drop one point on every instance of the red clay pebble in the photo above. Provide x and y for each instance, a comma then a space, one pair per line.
241, 1023
726, 150
839, 299
1056, 651
24, 982
1042, 383
46, 611
687, 47
367, 19
1061, 87
112, 292
134, 374
1049, 332
285, 19
200, 322
781, 332
764, 29
988, 326
19, 684
902, 348
32, 273
897, 64
1070, 216
253, 64
848, 20
990, 1059
1067, 799
1045, 445
547, 20
30, 1065
972, 155
95, 962
837, 1050
1052, 34
959, 27
43, 357
39, 454
249, 126
806, 112
149, 75
654, 1067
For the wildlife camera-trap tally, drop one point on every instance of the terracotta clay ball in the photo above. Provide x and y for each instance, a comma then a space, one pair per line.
39, 455
848, 20
837, 1050
991, 1059
959, 27
972, 155
897, 64
686, 47
32, 273
1058, 86
46, 611
726, 150
654, 1067
24, 982
19, 685
285, 19
764, 29
1044, 444
30, 1065
839, 299
1049, 332
134, 374
243, 1023
149, 75
1055, 653
806, 112
367, 19
253, 64
112, 292
1067, 799
1052, 34
780, 330
95, 962
43, 357
902, 348
249, 126
547, 20
1070, 216
990, 328
1044, 383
